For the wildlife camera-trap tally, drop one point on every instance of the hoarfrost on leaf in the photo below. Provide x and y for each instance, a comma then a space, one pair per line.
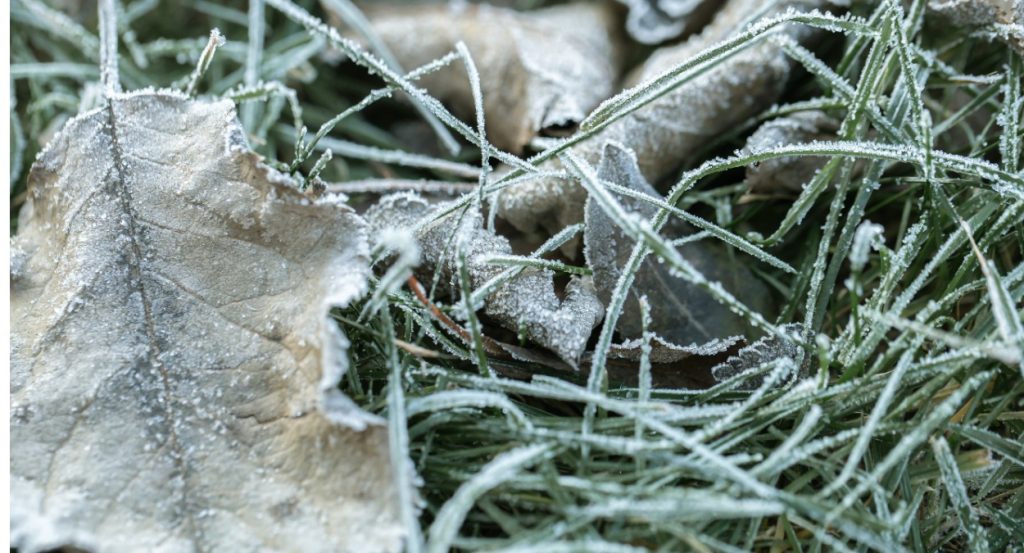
174, 369
525, 301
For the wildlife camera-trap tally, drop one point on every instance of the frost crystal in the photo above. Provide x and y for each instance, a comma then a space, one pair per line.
868, 236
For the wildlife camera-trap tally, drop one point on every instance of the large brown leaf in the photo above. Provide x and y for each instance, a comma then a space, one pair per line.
173, 366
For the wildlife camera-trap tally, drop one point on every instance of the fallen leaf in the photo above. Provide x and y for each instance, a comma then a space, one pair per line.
655, 21
671, 130
526, 302
174, 370
681, 312
788, 174
764, 350
539, 70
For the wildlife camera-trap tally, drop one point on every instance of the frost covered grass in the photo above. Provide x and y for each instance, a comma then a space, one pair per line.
898, 423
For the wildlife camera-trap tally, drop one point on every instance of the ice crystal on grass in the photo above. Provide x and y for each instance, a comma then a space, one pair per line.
660, 351
109, 75
205, 59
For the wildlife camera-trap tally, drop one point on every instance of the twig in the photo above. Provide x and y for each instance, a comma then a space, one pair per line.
490, 346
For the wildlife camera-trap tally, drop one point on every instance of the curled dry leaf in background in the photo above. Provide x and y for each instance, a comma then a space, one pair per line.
654, 21
539, 70
670, 130
681, 312
174, 369
788, 174
1002, 18
527, 301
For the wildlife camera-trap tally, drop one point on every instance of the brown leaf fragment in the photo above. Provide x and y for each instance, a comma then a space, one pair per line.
788, 175
669, 131
655, 21
681, 313
1003, 19
764, 350
539, 70
174, 370
525, 302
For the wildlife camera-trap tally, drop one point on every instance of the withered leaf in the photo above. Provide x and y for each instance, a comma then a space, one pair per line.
173, 368
788, 174
681, 312
670, 130
541, 69
764, 350
526, 302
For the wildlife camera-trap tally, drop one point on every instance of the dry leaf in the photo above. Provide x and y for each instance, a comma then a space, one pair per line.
526, 302
539, 70
654, 21
1002, 18
788, 174
681, 312
768, 348
174, 369
670, 130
